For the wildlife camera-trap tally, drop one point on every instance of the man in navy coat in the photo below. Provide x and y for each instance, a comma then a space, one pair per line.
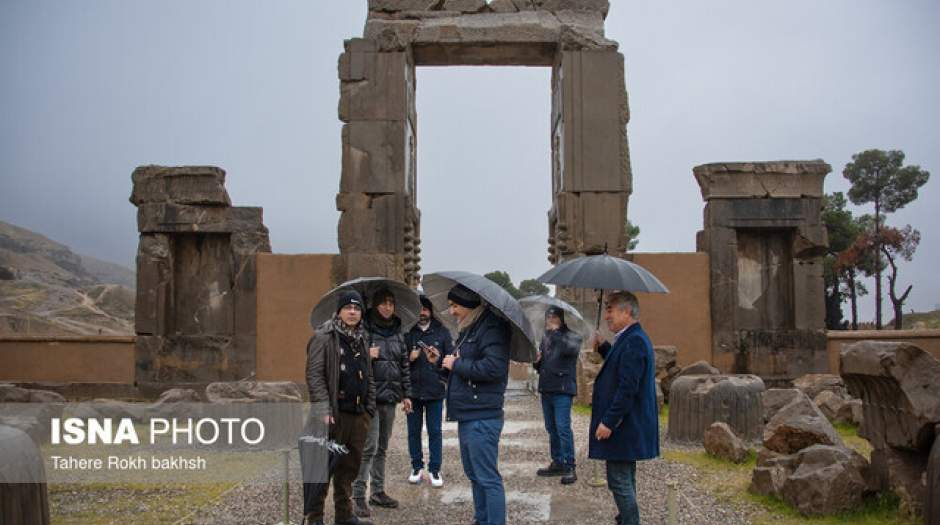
624, 416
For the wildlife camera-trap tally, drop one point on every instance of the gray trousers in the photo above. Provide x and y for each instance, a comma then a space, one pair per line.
373, 457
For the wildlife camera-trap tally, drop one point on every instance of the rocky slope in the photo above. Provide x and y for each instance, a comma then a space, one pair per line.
46, 289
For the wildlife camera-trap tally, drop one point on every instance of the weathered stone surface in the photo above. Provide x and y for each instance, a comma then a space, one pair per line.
254, 392
584, 220
377, 227
600, 6
835, 408
182, 218
378, 85
178, 395
813, 384
720, 441
402, 5
776, 398
660, 398
784, 179
665, 359
503, 6
464, 6
696, 368
799, 425
904, 475
196, 185
932, 506
827, 480
697, 401
899, 385
13, 394
374, 157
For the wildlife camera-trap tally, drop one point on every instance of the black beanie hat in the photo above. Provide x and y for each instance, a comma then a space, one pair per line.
347, 297
464, 296
425, 302
557, 312
381, 295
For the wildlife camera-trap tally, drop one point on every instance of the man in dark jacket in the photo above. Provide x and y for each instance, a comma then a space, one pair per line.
624, 416
339, 380
479, 371
557, 365
427, 391
390, 368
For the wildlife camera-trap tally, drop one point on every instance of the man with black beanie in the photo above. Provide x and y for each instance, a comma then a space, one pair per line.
339, 379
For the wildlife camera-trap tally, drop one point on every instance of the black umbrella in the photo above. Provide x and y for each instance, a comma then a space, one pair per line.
407, 304
603, 272
522, 343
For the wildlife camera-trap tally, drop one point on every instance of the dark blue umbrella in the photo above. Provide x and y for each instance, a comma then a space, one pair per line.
522, 343
603, 272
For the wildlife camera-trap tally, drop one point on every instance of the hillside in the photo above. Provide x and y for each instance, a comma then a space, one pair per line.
921, 321
46, 289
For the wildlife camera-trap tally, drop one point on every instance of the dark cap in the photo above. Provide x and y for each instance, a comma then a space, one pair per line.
347, 297
426, 303
464, 296
381, 295
556, 311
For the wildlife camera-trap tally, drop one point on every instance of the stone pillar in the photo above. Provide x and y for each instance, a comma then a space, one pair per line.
379, 227
765, 239
196, 304
591, 176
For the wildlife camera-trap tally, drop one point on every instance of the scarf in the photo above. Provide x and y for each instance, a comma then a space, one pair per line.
355, 333
471, 318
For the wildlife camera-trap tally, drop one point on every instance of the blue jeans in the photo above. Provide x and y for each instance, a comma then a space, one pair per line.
556, 410
621, 480
430, 412
479, 453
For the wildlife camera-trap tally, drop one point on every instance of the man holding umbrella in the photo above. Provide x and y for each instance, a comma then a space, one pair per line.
479, 372
339, 379
557, 363
391, 371
624, 416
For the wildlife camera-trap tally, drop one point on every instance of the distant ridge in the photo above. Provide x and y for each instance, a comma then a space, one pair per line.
47, 289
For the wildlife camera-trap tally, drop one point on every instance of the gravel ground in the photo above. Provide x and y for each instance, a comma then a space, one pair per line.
530, 499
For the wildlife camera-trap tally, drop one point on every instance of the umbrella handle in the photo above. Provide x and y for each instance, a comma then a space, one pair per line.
600, 302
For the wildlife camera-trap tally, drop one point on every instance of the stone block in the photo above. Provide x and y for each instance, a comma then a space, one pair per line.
196, 185
503, 6
464, 6
828, 480
358, 264
154, 284
182, 218
378, 227
601, 7
375, 157
589, 221
391, 35
899, 385
814, 384
193, 359
798, 425
382, 93
782, 179
697, 401
402, 5
593, 130
776, 398
720, 442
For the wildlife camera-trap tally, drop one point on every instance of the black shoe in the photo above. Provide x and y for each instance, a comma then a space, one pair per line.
310, 521
360, 508
569, 476
354, 521
553, 469
381, 499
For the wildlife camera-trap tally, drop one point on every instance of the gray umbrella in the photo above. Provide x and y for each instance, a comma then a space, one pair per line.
534, 307
603, 272
522, 342
407, 304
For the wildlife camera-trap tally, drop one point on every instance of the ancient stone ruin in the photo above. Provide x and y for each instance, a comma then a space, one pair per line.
899, 385
765, 238
196, 306
380, 224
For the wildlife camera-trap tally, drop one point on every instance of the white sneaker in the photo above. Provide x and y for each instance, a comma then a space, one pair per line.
436, 480
415, 476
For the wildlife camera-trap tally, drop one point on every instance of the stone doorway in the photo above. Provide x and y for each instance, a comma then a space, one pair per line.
380, 223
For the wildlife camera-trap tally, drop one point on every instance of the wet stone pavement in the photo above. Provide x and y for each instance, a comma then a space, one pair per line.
529, 498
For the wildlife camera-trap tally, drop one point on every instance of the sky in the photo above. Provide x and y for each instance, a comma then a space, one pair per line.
93, 88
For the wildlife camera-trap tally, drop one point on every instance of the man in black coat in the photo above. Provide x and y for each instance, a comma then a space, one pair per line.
391, 373
557, 365
428, 342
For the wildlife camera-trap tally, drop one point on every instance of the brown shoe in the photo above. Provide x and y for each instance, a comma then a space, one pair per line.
381, 499
361, 508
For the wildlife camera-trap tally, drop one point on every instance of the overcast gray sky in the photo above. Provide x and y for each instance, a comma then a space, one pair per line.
93, 88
